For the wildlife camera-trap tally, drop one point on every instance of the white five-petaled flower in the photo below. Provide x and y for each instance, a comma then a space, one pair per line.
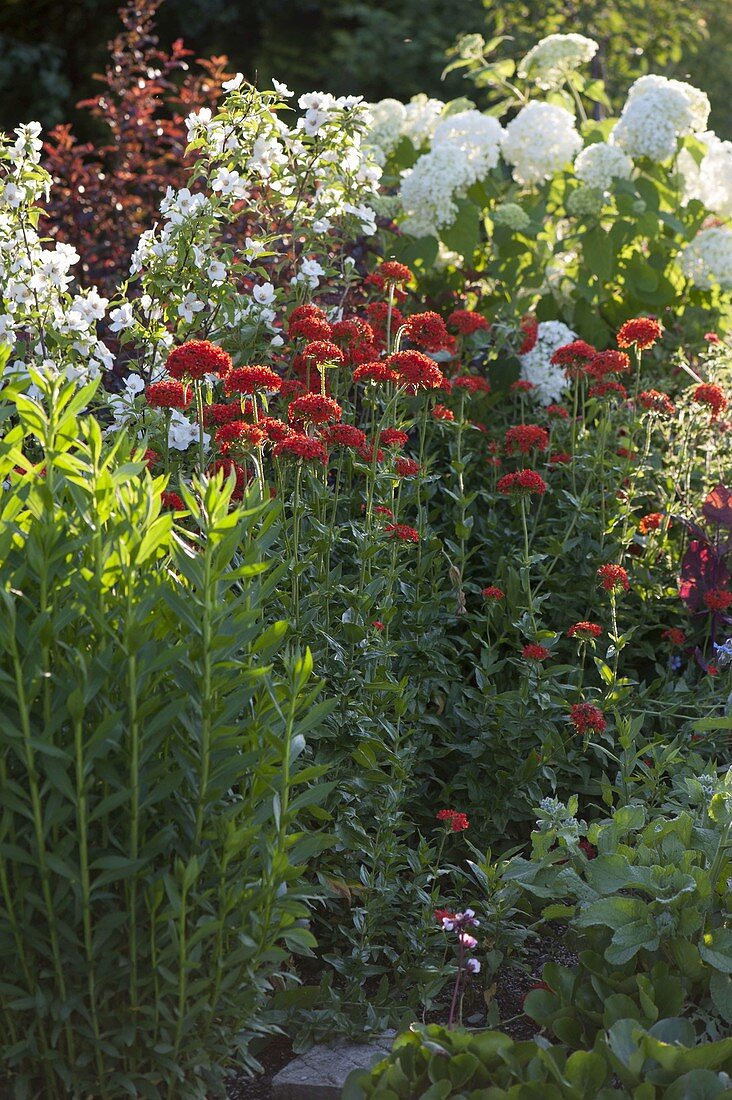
190, 305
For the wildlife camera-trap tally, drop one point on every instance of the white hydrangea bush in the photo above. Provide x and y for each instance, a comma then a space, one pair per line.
549, 381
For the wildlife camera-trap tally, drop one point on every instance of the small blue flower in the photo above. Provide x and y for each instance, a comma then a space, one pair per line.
675, 663
723, 653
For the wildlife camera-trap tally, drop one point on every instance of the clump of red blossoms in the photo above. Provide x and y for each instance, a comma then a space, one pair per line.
168, 394
275, 430
585, 631
613, 578
650, 522
393, 437
641, 332
718, 599
526, 438
407, 467
393, 272
602, 389
426, 330
587, 719
310, 322
530, 328
378, 315
344, 435
169, 499
378, 625
712, 338
381, 510
322, 351
709, 393
473, 383
416, 371
150, 457
534, 652
521, 385
608, 362
238, 435
315, 408
559, 458
301, 446
375, 372
250, 379
454, 819
466, 321
574, 357
366, 453
402, 532
196, 358
493, 593
557, 412
673, 635
357, 339
657, 402
441, 412
220, 413
522, 481
292, 387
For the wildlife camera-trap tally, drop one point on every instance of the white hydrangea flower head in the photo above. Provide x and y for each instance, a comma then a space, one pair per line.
707, 260
536, 366
656, 113
421, 116
539, 141
710, 181
551, 60
511, 216
599, 164
387, 119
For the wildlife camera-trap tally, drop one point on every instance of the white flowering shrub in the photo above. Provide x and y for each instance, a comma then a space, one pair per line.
595, 218
549, 381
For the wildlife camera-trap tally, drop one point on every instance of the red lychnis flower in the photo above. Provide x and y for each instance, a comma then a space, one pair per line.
493, 593
169, 499
657, 402
407, 467
521, 385
344, 435
574, 357
415, 370
709, 393
602, 389
584, 631
608, 362
310, 322
534, 652
530, 328
322, 351
557, 412
526, 438
168, 394
393, 272
291, 387
651, 522
221, 413
473, 383
718, 599
402, 532
393, 437
250, 379
641, 332
375, 372
711, 338
301, 446
314, 408
426, 330
441, 412
275, 430
559, 458
673, 635
455, 820
378, 315
613, 578
239, 435
522, 481
466, 322
196, 358
587, 719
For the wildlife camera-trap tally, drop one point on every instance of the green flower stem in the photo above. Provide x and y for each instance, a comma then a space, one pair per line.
527, 560
198, 391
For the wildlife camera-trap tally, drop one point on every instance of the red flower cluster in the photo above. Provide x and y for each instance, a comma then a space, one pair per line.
426, 330
441, 412
393, 437
301, 446
402, 532
641, 332
473, 383
274, 429
530, 328
455, 820
608, 362
587, 719
357, 339
251, 379
657, 402
375, 372
533, 652
378, 314
315, 408
584, 631
310, 322
322, 351
522, 385
196, 358
522, 481
466, 322
718, 599
392, 272
238, 435
407, 467
673, 635
574, 358
415, 370
613, 578
559, 458
221, 413
557, 412
493, 593
709, 393
168, 394
602, 389
651, 522
344, 435
169, 499
526, 438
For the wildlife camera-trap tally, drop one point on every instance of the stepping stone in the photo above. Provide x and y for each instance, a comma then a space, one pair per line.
321, 1073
